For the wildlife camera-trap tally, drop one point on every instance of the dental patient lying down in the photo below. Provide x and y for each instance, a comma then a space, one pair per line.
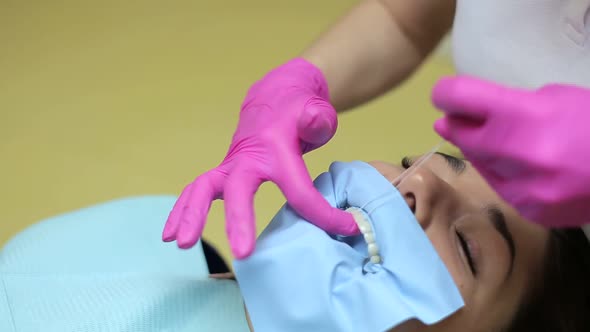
104, 268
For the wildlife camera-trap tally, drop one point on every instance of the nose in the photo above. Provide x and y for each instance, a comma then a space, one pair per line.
427, 195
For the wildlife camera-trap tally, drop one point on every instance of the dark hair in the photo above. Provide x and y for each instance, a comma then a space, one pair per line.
560, 298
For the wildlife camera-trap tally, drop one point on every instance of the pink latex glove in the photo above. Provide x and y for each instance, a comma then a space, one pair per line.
284, 115
533, 147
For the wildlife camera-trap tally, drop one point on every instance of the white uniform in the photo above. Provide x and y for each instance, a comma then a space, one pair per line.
523, 43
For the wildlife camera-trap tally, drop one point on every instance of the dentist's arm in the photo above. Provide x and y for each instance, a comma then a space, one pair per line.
377, 45
288, 113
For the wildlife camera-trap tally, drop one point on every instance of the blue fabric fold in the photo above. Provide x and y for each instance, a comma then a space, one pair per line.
300, 278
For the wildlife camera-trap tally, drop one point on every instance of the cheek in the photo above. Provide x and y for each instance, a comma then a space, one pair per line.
444, 241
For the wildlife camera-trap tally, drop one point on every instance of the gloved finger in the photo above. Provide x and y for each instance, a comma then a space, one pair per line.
472, 98
556, 90
240, 187
467, 135
297, 186
469, 138
171, 226
441, 127
204, 190
317, 123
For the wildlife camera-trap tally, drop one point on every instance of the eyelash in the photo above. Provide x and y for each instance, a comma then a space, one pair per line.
455, 163
407, 162
465, 248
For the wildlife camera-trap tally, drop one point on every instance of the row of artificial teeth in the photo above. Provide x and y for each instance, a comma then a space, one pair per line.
365, 228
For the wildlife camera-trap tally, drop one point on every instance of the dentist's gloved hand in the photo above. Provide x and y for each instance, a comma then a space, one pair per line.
531, 146
283, 116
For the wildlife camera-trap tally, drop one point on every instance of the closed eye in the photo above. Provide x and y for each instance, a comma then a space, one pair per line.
456, 164
467, 252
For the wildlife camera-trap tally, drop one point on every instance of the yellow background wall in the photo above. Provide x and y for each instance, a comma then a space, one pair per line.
106, 99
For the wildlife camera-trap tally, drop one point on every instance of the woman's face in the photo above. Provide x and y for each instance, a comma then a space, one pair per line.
491, 252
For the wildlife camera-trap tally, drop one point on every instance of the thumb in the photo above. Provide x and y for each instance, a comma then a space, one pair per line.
317, 123
467, 135
441, 126
474, 99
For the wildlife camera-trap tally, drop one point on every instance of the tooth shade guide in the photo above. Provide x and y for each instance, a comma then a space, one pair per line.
368, 234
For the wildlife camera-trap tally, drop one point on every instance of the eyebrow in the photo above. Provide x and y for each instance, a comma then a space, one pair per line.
498, 220
456, 164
